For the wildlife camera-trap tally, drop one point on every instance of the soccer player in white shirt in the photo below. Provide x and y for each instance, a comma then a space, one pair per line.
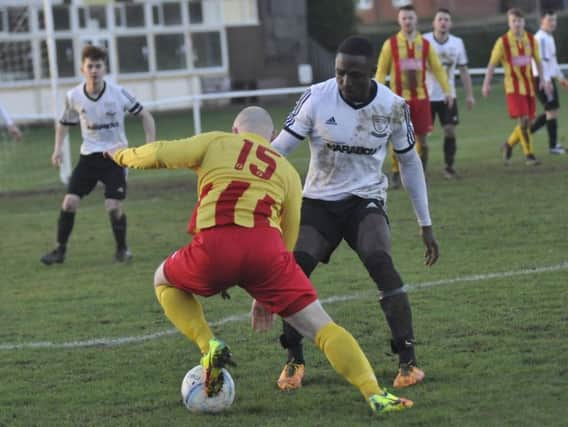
552, 72
451, 51
99, 107
350, 121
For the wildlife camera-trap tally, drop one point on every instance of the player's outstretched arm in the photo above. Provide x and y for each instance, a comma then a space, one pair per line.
149, 125
181, 153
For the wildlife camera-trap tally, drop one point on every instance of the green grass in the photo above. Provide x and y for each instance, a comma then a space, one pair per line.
494, 350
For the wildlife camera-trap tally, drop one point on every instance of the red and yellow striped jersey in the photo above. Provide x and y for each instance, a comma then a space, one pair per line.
516, 55
406, 61
241, 180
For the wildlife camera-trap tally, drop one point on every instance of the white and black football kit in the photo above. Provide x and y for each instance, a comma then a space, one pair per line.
102, 129
550, 69
345, 191
452, 54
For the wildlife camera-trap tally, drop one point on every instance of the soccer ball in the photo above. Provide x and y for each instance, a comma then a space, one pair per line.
195, 397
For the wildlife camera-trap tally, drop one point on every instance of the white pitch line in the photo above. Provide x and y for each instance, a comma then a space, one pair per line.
112, 342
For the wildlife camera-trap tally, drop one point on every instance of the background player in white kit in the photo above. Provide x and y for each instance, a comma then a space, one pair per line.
451, 51
552, 72
350, 121
99, 107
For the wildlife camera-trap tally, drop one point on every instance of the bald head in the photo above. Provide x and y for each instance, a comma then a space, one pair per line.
254, 120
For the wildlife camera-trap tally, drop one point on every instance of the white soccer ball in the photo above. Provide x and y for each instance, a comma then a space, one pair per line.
195, 397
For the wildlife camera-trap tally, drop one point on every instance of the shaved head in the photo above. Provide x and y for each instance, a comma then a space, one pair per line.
254, 120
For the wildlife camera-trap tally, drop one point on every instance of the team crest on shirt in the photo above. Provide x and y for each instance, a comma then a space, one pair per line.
380, 126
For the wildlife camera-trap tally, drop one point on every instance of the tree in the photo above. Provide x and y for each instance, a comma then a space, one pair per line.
331, 21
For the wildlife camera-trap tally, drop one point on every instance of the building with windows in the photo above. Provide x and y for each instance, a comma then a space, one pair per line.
158, 49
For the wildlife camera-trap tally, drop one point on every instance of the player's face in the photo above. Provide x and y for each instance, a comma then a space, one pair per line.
516, 24
548, 23
353, 74
93, 70
442, 22
407, 20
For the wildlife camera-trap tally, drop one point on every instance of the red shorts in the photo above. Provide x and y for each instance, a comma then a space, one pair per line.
421, 115
253, 258
521, 105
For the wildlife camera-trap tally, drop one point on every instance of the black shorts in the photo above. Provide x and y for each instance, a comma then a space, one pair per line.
448, 116
551, 104
93, 168
338, 220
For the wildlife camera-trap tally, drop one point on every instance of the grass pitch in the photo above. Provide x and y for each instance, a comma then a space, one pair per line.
493, 346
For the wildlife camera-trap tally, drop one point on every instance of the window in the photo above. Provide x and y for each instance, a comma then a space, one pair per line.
93, 17
167, 14
130, 15
170, 52
61, 18
207, 49
16, 61
132, 54
195, 9
18, 20
64, 56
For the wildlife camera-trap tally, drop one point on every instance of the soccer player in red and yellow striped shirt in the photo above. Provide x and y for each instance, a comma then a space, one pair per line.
245, 224
515, 50
406, 56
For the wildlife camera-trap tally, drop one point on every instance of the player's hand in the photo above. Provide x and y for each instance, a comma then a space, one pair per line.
262, 320
450, 101
485, 90
15, 132
56, 158
563, 83
431, 253
470, 102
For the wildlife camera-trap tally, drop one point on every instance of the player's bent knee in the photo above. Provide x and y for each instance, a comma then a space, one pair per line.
113, 207
70, 203
160, 276
309, 320
381, 268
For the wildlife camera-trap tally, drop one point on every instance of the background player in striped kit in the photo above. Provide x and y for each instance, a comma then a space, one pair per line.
451, 51
552, 72
515, 50
406, 56
99, 107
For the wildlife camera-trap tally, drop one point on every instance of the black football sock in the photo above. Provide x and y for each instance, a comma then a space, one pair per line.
291, 340
119, 230
449, 151
552, 128
64, 228
399, 318
539, 122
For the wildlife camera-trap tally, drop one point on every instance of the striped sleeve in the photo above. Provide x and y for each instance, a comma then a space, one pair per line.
130, 103
402, 137
299, 122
